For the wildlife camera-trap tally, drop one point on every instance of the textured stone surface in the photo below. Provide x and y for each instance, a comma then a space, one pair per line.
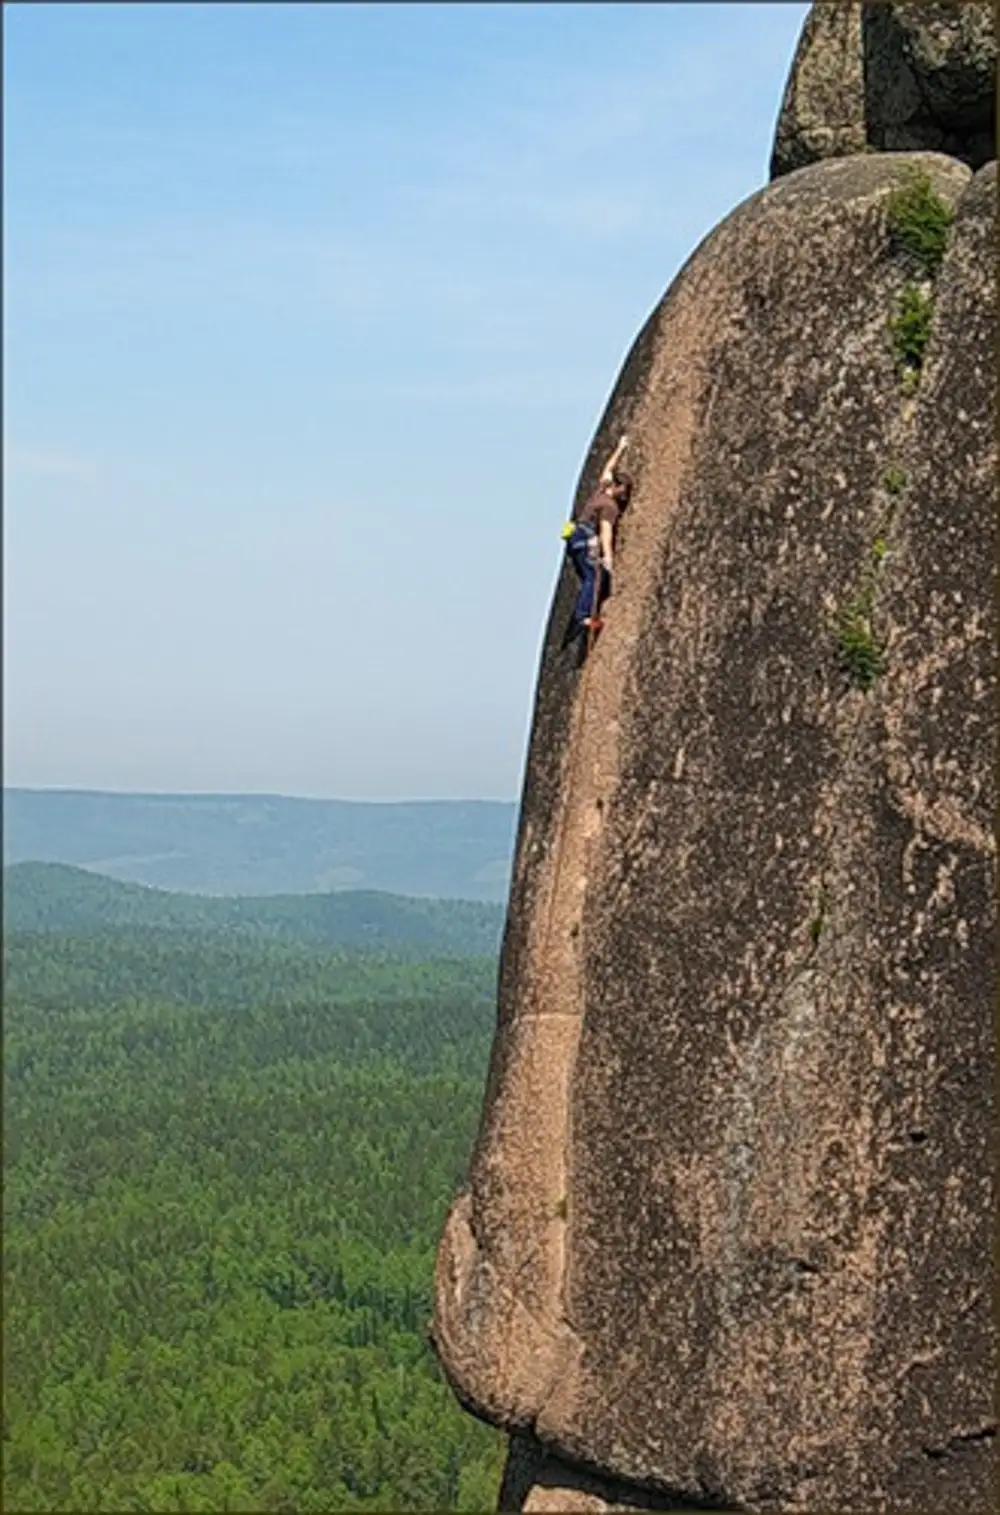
535, 1481
897, 75
727, 1234
823, 111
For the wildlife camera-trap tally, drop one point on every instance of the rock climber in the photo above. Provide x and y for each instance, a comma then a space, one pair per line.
590, 541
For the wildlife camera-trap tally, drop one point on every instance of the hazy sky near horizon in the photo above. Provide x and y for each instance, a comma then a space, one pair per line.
310, 312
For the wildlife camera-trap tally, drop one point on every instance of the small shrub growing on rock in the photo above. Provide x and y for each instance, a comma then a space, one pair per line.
861, 655
919, 222
895, 480
911, 328
818, 923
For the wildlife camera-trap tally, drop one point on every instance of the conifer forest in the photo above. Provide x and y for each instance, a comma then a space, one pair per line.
228, 1159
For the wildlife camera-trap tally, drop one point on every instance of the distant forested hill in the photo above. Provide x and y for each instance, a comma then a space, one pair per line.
267, 844
49, 897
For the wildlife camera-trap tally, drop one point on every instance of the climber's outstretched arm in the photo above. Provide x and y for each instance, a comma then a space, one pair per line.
608, 470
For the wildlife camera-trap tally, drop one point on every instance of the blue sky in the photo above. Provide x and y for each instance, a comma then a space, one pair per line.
310, 313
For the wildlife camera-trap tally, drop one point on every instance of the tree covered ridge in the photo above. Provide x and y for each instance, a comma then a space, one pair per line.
268, 844
56, 897
225, 1184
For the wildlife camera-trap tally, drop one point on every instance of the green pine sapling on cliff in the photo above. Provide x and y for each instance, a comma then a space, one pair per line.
918, 222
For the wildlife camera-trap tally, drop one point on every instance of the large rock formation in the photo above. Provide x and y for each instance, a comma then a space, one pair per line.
893, 75
727, 1235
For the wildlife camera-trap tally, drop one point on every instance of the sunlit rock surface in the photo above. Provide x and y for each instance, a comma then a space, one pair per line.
728, 1232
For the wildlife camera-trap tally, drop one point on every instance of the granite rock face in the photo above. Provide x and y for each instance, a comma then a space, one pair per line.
823, 111
892, 75
727, 1235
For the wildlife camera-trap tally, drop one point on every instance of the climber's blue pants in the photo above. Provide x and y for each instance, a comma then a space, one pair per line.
580, 552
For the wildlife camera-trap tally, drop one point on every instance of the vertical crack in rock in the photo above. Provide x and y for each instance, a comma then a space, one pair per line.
524, 1154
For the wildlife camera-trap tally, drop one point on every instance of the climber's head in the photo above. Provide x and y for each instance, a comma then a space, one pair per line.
621, 487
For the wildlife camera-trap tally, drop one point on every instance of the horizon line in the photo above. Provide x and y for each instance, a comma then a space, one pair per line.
238, 794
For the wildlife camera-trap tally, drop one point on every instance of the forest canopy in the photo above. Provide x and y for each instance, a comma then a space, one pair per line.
228, 1160
55, 897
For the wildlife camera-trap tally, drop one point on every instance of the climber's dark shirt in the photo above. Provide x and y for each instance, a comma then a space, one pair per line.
599, 507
